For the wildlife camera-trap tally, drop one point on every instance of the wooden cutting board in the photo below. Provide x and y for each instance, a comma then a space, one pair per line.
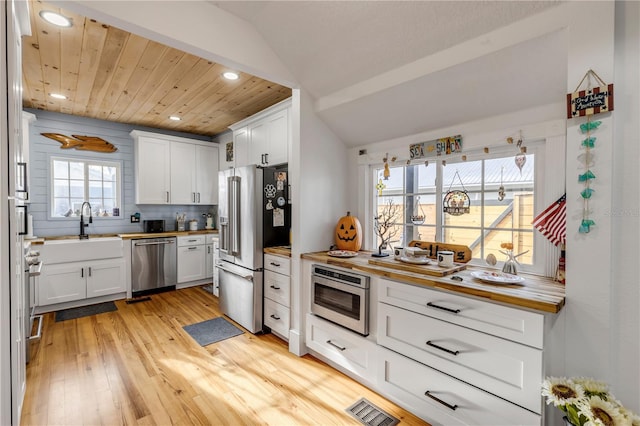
461, 254
430, 269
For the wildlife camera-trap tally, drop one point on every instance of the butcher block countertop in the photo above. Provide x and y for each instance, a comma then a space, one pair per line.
279, 251
129, 236
536, 293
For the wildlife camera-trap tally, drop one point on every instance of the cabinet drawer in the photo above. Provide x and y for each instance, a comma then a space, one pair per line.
510, 323
209, 238
508, 369
191, 240
276, 317
279, 264
457, 403
277, 287
347, 349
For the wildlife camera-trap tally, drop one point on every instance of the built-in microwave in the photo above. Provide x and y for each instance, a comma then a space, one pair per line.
341, 297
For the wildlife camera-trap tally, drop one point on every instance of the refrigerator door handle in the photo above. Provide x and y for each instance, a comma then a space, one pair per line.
246, 277
234, 215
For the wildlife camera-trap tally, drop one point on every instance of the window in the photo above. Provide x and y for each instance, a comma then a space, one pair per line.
419, 193
75, 181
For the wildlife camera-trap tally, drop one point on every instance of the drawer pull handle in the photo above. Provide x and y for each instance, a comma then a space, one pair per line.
277, 265
275, 317
442, 349
453, 311
435, 398
341, 348
274, 287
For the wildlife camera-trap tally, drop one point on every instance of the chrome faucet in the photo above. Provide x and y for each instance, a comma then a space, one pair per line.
82, 235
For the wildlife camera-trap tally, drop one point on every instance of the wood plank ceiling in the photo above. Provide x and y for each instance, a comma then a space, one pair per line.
110, 74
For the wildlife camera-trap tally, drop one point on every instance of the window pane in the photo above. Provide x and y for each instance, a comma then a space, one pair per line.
422, 233
60, 188
108, 190
522, 241
61, 207
466, 219
393, 185
61, 169
426, 178
76, 170
95, 189
76, 205
95, 172
76, 188
109, 174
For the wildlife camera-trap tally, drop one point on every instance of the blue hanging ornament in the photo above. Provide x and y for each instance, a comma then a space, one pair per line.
586, 193
585, 226
586, 176
589, 142
589, 125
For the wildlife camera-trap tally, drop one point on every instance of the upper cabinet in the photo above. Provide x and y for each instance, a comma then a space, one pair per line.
173, 170
263, 138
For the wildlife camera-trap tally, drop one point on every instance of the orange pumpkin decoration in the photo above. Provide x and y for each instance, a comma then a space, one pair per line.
349, 233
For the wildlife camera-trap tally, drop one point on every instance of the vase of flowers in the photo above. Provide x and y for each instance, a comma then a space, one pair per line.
586, 401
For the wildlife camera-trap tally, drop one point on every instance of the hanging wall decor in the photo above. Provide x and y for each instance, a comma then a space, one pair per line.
83, 143
436, 148
456, 202
592, 100
588, 144
417, 217
501, 193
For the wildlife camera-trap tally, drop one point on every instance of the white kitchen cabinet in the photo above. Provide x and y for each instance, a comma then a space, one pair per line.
494, 348
277, 283
173, 170
152, 170
192, 258
263, 138
442, 399
66, 282
350, 351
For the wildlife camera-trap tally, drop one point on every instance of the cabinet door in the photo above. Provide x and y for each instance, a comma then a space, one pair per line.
241, 147
206, 174
62, 283
278, 138
191, 263
209, 262
153, 160
105, 277
258, 142
183, 173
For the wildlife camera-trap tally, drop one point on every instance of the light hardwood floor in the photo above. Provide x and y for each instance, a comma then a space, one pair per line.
138, 366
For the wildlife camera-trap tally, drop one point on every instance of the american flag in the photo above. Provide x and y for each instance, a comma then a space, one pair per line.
552, 222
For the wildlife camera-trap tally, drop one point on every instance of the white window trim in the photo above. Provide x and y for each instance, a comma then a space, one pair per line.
50, 189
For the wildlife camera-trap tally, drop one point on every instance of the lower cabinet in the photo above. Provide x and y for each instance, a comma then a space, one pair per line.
350, 351
66, 282
277, 293
192, 258
442, 399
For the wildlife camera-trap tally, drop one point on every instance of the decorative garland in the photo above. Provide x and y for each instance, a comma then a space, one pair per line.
588, 144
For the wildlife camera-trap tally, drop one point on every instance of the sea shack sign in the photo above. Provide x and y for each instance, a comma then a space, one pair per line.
590, 101
436, 148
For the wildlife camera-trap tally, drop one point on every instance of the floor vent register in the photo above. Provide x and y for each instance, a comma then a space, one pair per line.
370, 415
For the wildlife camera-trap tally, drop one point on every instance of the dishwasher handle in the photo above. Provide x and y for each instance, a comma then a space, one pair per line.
155, 243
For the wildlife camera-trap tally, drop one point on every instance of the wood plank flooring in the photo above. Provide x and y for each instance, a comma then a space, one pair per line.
137, 366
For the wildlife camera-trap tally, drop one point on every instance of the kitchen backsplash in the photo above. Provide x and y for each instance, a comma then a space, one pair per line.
42, 148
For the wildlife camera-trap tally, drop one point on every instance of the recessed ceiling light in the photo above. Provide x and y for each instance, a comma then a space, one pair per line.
174, 118
55, 18
230, 75
57, 96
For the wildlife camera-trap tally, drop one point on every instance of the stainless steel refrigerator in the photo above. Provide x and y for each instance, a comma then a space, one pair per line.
254, 212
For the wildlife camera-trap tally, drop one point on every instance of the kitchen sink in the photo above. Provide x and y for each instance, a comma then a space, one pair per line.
72, 250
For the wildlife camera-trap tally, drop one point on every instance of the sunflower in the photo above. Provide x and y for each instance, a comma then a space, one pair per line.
633, 418
599, 412
561, 391
592, 387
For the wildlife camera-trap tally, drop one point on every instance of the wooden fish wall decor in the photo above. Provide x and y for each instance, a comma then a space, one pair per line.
84, 143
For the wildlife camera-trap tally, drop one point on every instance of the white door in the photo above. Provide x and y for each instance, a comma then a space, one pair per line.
206, 174
105, 277
191, 263
153, 160
62, 283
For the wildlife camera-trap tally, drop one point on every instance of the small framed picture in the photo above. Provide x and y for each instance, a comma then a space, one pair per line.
229, 150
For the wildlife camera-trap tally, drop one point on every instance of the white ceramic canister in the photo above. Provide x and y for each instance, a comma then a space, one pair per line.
193, 225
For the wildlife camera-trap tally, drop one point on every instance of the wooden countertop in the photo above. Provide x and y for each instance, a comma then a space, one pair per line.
128, 236
279, 251
537, 293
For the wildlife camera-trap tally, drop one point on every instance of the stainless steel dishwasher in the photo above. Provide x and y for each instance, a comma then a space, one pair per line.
153, 265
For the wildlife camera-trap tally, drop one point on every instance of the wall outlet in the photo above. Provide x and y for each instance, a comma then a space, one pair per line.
135, 219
